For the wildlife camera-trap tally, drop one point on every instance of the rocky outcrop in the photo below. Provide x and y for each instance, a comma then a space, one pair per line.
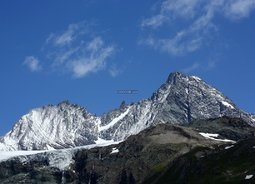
225, 164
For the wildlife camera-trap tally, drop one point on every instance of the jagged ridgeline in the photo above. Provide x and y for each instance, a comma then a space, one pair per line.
180, 100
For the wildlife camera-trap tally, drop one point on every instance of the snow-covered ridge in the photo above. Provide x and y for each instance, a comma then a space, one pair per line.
114, 121
52, 127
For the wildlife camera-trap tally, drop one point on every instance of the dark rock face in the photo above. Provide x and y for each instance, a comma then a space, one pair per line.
14, 171
180, 100
231, 128
160, 154
201, 165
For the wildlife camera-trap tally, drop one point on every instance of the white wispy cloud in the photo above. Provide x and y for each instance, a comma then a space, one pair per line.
69, 35
189, 39
191, 68
114, 71
32, 63
77, 50
154, 21
171, 10
92, 59
239, 9
204, 67
198, 16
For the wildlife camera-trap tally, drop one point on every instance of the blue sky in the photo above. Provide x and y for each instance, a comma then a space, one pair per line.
85, 50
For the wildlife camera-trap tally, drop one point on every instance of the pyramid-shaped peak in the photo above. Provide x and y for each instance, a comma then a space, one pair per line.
175, 77
176, 74
65, 102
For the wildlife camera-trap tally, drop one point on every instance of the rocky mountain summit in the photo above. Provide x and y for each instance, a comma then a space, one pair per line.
180, 100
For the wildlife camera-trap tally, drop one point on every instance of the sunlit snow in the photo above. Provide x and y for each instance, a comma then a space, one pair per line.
5, 155
114, 150
253, 119
196, 78
103, 141
57, 158
212, 137
227, 104
114, 121
187, 91
247, 177
228, 147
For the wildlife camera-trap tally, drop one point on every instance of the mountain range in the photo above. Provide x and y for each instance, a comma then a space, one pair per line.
161, 154
180, 100
186, 132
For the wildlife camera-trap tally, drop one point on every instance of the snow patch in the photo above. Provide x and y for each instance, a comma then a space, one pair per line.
187, 91
208, 135
253, 119
165, 94
212, 137
228, 147
100, 141
227, 104
114, 121
114, 150
247, 177
49, 147
196, 78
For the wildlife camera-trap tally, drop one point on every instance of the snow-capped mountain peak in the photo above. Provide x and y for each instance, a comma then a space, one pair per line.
63, 125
